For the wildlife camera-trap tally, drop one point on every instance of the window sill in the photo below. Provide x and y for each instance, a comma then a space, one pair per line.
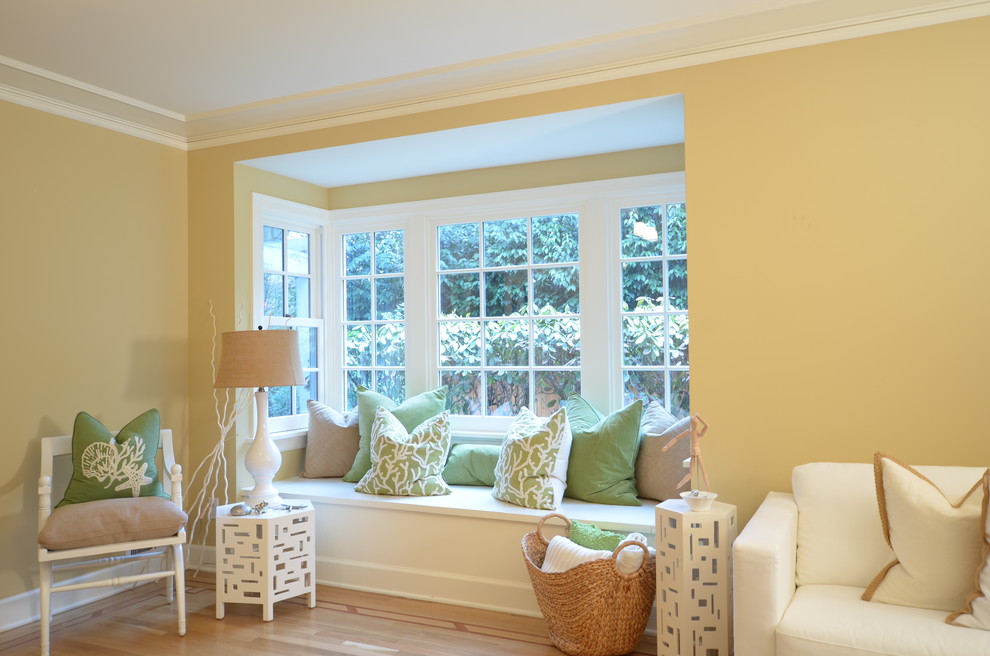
472, 501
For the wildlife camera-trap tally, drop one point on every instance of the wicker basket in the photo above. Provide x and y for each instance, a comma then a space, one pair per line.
592, 609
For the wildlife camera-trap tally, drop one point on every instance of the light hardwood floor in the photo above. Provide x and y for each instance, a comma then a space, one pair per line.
344, 622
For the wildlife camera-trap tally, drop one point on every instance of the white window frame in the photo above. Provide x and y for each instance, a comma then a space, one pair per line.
597, 204
280, 213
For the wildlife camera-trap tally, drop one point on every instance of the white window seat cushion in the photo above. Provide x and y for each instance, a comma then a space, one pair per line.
474, 501
832, 619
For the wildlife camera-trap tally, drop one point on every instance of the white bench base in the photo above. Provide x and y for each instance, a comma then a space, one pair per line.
463, 548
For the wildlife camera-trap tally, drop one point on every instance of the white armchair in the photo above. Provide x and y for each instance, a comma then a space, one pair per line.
803, 561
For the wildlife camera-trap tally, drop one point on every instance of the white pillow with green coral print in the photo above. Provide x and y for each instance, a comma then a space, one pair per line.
532, 464
407, 464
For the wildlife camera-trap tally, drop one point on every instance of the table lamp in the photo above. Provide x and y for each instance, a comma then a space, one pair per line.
261, 359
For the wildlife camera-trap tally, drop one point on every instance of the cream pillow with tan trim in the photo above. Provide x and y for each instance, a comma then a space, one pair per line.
976, 613
936, 539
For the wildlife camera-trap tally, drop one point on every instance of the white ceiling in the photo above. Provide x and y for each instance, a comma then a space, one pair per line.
197, 73
605, 129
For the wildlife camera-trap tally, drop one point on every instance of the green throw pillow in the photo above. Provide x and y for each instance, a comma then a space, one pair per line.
592, 537
472, 464
602, 465
411, 413
532, 462
407, 464
108, 467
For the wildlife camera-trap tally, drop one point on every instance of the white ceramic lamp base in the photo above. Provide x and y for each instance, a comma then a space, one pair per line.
263, 458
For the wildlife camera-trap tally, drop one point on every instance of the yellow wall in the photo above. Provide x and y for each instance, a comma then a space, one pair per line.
838, 212
837, 204
94, 265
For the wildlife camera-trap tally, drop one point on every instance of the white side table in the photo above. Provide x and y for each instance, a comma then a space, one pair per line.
265, 558
694, 579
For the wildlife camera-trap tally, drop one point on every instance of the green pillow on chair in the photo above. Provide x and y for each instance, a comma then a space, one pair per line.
602, 467
411, 413
108, 467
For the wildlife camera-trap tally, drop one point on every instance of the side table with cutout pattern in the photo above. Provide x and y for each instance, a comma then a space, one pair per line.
265, 558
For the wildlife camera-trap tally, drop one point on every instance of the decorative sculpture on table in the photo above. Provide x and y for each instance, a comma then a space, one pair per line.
696, 469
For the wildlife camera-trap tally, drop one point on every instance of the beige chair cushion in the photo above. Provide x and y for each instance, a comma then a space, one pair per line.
111, 521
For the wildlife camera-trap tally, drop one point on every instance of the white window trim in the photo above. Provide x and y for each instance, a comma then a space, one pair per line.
268, 210
598, 204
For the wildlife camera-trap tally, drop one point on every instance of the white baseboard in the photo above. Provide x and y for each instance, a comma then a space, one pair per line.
25, 608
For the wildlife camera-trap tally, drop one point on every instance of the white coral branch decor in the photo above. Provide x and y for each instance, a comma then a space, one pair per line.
110, 462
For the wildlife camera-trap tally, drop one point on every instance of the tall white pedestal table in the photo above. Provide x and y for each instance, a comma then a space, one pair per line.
694, 579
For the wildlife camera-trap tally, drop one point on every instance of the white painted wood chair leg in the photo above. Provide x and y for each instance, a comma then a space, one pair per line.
45, 615
180, 586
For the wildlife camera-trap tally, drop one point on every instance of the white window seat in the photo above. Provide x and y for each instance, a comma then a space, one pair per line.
474, 501
463, 548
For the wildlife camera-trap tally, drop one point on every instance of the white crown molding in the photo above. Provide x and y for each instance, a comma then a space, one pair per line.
668, 47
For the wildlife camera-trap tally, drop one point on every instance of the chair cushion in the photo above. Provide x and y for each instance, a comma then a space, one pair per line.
111, 521
832, 619
105, 466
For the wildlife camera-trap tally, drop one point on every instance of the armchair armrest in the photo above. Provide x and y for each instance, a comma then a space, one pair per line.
764, 560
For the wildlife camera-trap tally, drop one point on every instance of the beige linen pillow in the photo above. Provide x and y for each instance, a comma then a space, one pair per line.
659, 471
109, 521
976, 613
332, 442
937, 540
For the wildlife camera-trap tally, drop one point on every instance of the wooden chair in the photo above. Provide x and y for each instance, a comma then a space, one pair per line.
149, 546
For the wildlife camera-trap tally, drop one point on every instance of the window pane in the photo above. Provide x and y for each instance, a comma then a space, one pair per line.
460, 344
556, 342
460, 295
676, 229
553, 388
507, 343
641, 231
506, 292
357, 344
298, 305
555, 290
389, 252
642, 286
297, 260
555, 239
680, 393
390, 348
391, 383
358, 300
505, 243
677, 271
458, 246
279, 401
306, 392
643, 340
274, 295
272, 249
353, 378
464, 391
389, 298
357, 254
677, 327
646, 385
308, 347
508, 392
